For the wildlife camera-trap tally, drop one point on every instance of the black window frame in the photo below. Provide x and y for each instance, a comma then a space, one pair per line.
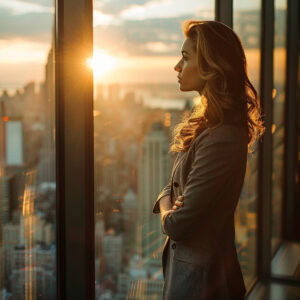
74, 134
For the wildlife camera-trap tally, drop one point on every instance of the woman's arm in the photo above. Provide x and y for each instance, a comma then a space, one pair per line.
166, 191
212, 166
165, 204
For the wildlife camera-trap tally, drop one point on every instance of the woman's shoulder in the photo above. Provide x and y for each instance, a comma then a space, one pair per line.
222, 134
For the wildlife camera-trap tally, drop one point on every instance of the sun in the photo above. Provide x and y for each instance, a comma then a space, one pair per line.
101, 63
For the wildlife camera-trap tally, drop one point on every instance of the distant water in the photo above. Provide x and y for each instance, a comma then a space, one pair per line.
166, 104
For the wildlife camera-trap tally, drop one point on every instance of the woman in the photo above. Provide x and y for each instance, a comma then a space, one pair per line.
199, 256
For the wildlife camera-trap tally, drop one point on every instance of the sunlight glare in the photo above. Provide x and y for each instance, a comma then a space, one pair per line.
101, 63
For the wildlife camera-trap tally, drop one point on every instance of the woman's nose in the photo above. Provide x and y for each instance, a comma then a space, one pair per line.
177, 68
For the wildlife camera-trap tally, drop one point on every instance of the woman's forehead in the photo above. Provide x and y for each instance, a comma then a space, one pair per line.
187, 46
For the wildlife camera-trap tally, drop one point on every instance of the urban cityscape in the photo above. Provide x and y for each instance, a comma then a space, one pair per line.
133, 125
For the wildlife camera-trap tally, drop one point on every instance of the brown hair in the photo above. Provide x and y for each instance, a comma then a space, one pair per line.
227, 95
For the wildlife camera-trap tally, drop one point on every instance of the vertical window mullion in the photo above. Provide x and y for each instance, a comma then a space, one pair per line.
223, 11
291, 118
74, 146
265, 150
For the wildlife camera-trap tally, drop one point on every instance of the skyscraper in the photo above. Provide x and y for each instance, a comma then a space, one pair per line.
154, 172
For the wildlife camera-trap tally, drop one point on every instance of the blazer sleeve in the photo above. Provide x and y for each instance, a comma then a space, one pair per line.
165, 191
212, 165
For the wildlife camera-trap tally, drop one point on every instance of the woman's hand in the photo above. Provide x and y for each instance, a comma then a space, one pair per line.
178, 203
166, 209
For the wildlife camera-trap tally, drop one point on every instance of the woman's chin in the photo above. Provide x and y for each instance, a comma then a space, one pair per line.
183, 89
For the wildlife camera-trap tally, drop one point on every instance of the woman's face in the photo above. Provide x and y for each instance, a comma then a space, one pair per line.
187, 68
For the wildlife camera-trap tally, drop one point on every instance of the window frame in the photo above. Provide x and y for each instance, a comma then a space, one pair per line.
291, 117
74, 150
74, 135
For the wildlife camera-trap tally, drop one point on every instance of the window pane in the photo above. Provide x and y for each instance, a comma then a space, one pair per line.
137, 104
27, 151
278, 119
246, 23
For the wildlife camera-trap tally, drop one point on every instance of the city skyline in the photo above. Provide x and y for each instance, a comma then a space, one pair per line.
148, 45
136, 106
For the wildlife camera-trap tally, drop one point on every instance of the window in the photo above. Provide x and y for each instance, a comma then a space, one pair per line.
246, 23
27, 152
137, 103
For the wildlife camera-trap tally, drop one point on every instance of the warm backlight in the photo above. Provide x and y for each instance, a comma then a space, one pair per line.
101, 63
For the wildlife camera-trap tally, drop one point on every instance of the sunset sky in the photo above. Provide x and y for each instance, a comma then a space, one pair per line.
143, 38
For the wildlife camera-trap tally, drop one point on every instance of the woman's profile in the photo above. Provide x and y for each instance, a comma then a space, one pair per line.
197, 206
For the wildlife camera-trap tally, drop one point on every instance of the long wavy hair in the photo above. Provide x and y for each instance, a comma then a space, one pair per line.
227, 95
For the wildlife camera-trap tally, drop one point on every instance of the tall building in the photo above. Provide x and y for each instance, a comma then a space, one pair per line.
38, 281
129, 206
46, 170
112, 251
153, 175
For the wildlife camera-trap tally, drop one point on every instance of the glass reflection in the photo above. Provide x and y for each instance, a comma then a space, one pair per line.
27, 152
137, 104
246, 23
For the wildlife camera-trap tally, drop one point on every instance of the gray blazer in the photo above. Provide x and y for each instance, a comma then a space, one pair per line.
210, 175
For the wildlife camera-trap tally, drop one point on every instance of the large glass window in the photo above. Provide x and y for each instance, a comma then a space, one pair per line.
246, 23
27, 151
278, 130
137, 103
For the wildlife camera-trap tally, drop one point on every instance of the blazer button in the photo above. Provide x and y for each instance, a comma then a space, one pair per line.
173, 246
176, 184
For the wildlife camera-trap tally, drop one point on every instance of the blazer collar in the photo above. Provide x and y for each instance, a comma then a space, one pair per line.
199, 137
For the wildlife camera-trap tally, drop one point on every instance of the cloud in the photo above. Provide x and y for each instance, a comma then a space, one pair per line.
19, 7
20, 51
157, 36
117, 6
152, 37
31, 26
145, 9
46, 3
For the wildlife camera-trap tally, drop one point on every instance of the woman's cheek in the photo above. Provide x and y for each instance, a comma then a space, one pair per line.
185, 71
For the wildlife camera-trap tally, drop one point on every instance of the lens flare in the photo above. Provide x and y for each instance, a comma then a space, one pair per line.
101, 63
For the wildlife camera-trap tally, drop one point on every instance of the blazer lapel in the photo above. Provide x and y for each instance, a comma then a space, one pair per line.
199, 137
